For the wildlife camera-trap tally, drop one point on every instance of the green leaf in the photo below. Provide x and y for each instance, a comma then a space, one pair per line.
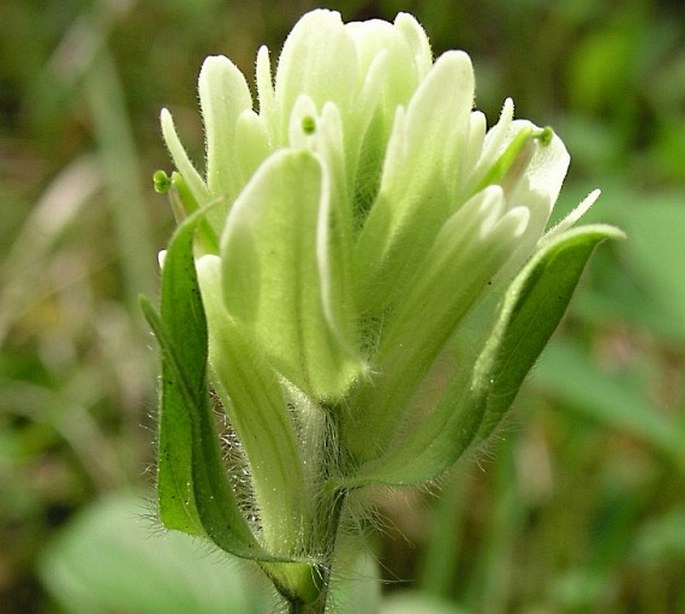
111, 559
194, 494
473, 406
183, 204
280, 271
618, 401
532, 309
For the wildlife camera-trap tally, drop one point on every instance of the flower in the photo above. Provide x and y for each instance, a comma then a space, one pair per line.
349, 228
373, 152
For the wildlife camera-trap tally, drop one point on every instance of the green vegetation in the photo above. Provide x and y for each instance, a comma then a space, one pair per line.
579, 505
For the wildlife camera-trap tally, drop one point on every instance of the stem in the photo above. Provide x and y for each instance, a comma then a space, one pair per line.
326, 523
297, 607
328, 537
331, 535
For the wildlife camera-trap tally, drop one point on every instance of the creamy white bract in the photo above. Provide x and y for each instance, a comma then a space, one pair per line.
371, 149
351, 219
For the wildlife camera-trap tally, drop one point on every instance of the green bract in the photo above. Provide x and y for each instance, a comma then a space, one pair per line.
339, 240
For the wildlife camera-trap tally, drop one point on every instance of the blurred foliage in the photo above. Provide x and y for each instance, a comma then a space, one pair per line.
579, 506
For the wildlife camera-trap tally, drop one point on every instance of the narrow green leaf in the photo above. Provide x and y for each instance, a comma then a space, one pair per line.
194, 494
184, 204
533, 307
175, 496
530, 312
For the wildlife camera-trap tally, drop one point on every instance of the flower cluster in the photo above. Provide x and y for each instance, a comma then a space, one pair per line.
343, 235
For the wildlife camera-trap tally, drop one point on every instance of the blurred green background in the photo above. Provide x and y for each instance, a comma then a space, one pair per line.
580, 503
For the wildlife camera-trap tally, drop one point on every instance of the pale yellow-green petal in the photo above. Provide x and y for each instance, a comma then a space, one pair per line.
267, 96
257, 410
548, 167
414, 201
224, 95
400, 78
570, 220
273, 260
252, 136
467, 252
178, 154
319, 59
418, 41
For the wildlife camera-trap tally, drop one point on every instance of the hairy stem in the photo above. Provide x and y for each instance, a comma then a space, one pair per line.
327, 521
327, 540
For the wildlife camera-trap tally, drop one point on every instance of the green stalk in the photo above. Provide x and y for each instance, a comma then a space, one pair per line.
328, 513
329, 525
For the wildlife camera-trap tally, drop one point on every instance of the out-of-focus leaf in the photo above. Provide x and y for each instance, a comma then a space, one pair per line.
657, 251
618, 402
602, 67
405, 602
111, 559
662, 539
360, 590
580, 589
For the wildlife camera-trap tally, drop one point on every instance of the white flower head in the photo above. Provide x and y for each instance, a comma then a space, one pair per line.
359, 210
346, 225
362, 175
